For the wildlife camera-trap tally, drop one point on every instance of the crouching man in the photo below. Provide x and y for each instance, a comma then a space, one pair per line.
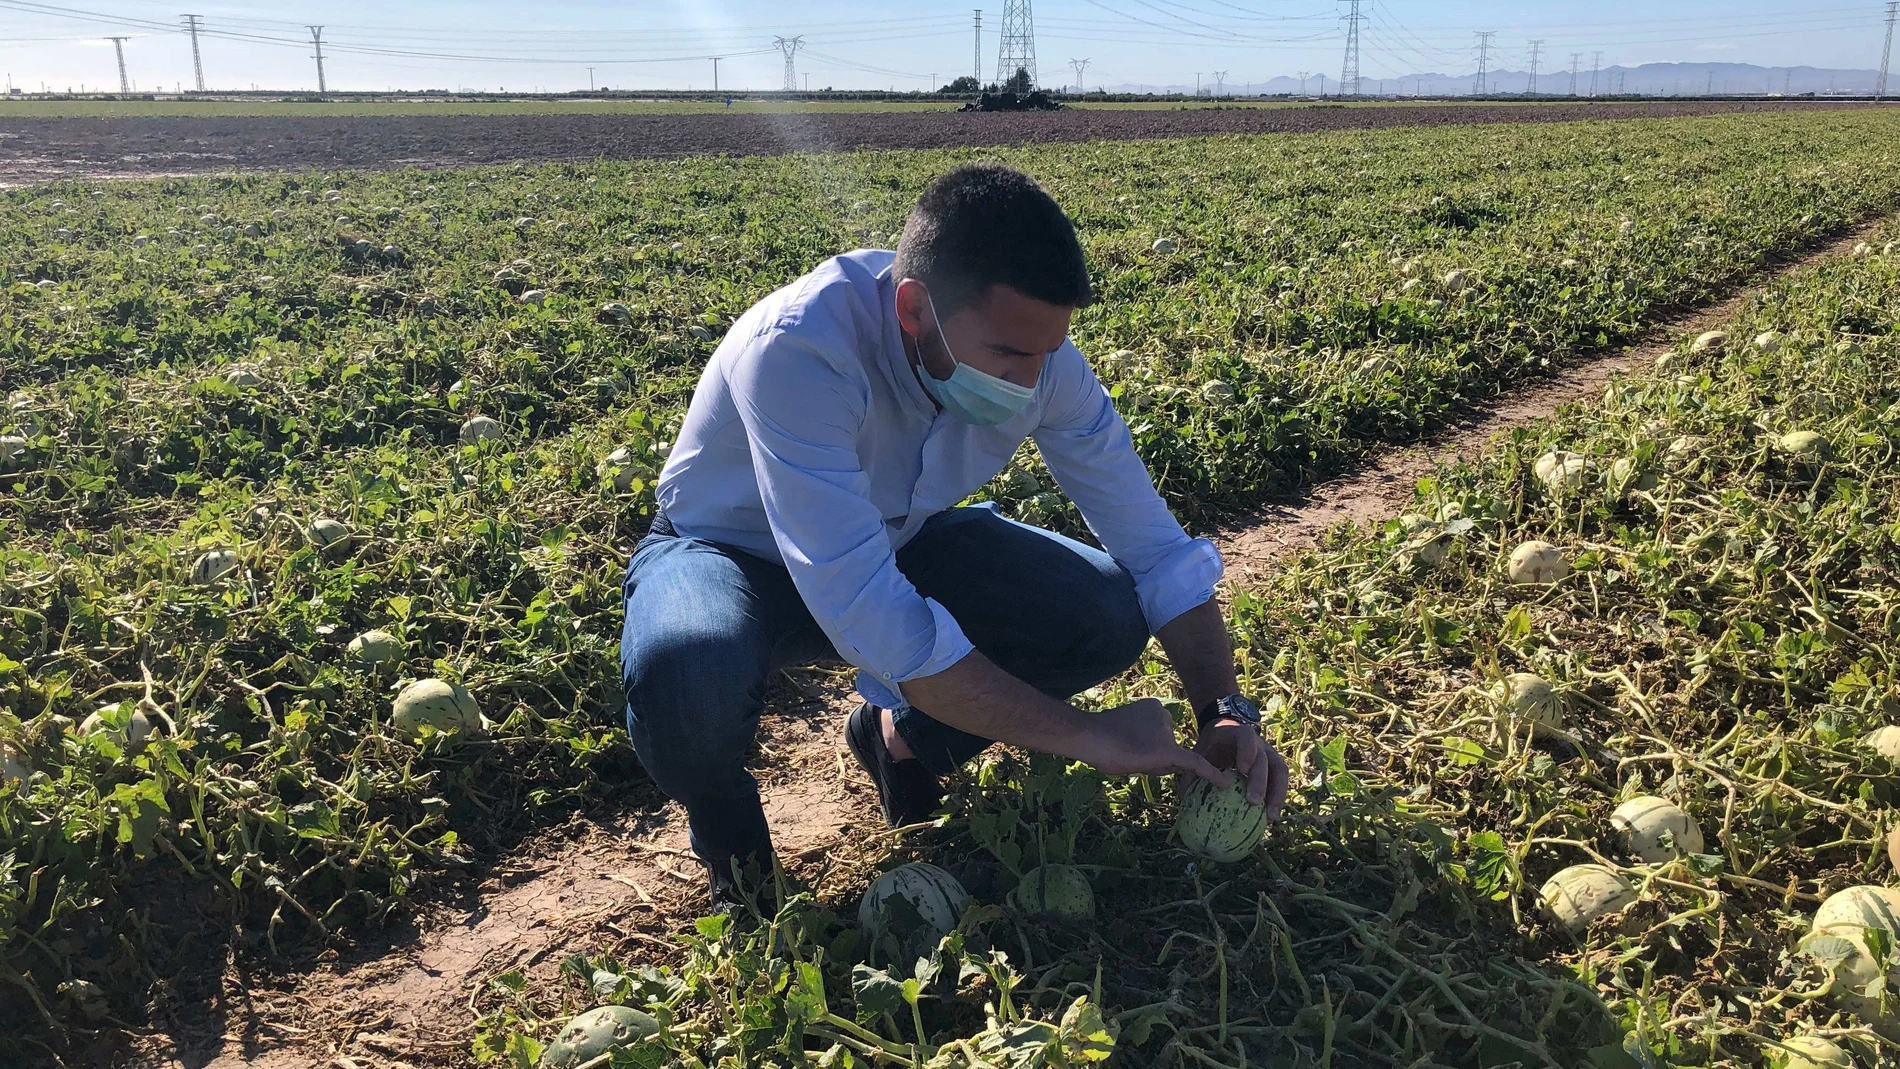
809, 511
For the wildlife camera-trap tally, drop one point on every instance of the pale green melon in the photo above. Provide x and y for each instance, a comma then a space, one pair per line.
1216, 392
326, 533
436, 703
1802, 445
1581, 894
374, 647
1561, 471
1529, 698
1812, 1052
479, 429
594, 1033
1536, 563
130, 737
213, 566
1058, 890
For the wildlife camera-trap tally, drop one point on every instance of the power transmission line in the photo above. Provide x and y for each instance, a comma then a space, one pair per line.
316, 40
1575, 58
1537, 52
790, 46
1484, 59
1220, 83
1596, 68
1304, 75
197, 65
1080, 65
1349, 69
1018, 49
118, 45
1886, 50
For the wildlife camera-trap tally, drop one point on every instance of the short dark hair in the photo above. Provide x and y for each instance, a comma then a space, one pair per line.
984, 224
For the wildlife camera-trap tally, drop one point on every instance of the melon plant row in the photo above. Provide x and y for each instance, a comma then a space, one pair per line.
279, 449
1628, 808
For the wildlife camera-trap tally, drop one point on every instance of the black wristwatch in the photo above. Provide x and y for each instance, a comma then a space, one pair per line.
1233, 707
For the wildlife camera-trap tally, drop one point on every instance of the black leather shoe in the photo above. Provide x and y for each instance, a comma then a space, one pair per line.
740, 888
906, 790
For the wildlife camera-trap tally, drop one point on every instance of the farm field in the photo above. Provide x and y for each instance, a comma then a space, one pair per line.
140, 143
282, 368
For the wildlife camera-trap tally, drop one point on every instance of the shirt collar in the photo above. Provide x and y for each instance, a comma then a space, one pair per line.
896, 362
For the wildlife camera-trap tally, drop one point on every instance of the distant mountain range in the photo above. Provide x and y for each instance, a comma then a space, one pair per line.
1650, 79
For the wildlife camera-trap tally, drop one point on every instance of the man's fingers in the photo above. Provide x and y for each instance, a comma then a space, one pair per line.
1278, 780
1258, 770
1187, 760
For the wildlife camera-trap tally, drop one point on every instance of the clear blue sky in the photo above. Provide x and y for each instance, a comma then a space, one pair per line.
490, 44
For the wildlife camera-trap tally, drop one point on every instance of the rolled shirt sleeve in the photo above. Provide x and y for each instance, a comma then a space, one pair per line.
1090, 452
802, 416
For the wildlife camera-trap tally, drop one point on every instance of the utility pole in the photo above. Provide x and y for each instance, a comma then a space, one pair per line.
118, 45
1349, 68
1596, 68
1575, 58
197, 65
790, 46
1710, 90
316, 38
1886, 50
715, 60
1484, 60
1220, 83
590, 79
1080, 65
1537, 53
1018, 49
976, 69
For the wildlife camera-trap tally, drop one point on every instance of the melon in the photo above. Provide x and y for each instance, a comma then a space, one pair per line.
1656, 829
594, 1033
1220, 825
1529, 698
1056, 890
243, 378
1708, 341
1561, 471
12, 451
480, 428
1802, 445
213, 566
13, 766
1019, 483
615, 312
1121, 359
1627, 475
130, 737
534, 297
325, 533
1412, 268
1768, 341
1581, 894
618, 469
1456, 280
915, 904
1163, 245
1536, 562
1811, 1052
374, 648
1848, 914
524, 222
436, 703
1884, 741
1216, 392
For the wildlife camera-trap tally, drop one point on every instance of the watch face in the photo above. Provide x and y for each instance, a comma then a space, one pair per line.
1240, 708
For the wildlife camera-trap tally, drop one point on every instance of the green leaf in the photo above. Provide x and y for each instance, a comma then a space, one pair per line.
1516, 626
875, 992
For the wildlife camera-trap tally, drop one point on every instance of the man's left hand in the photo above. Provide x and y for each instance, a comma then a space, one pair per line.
1229, 744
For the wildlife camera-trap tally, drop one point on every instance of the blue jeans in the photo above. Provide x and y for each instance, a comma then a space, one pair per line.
708, 624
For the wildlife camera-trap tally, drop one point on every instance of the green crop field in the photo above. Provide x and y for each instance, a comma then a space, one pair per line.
239, 435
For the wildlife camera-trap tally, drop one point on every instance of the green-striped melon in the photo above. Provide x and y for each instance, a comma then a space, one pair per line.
1811, 1052
1529, 698
1848, 914
213, 566
1058, 890
1220, 825
594, 1033
916, 904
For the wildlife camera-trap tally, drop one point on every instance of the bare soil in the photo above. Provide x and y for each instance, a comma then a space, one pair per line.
622, 881
36, 149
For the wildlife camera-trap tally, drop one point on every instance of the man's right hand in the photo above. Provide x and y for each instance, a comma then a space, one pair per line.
1138, 739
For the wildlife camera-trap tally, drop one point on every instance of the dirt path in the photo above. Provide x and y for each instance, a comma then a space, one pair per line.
620, 880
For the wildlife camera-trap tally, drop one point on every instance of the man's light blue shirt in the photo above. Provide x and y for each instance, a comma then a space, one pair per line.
810, 442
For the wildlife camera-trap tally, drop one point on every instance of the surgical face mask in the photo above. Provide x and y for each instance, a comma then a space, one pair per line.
971, 395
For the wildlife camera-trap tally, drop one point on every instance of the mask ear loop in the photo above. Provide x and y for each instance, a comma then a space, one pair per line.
941, 336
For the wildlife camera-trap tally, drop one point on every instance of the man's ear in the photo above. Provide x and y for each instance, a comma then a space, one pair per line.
913, 307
